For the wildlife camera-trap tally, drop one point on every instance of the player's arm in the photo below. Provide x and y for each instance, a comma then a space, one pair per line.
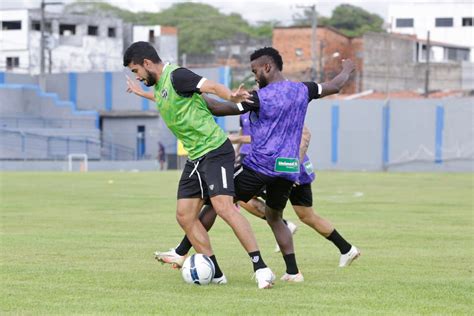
335, 85
186, 83
223, 108
305, 139
240, 139
133, 87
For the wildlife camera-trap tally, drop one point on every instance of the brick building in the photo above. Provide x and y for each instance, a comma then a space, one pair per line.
294, 44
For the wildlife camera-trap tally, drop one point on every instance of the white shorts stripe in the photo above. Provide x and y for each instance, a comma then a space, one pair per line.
224, 178
238, 172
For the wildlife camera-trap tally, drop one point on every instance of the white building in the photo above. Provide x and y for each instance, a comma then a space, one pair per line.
449, 22
163, 38
75, 42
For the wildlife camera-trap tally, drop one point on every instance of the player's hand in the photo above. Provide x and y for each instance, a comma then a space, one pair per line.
134, 87
241, 95
348, 66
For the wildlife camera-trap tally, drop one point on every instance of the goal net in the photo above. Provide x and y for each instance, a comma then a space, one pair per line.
77, 162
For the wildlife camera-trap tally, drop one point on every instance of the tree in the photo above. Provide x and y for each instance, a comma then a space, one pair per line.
199, 25
355, 21
348, 19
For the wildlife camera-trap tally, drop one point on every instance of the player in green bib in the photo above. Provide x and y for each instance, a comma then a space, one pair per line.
208, 173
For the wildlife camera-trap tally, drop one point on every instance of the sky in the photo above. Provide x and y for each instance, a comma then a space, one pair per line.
252, 11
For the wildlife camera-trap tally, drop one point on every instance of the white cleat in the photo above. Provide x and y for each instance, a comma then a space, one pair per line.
170, 257
292, 227
346, 259
265, 278
220, 281
296, 278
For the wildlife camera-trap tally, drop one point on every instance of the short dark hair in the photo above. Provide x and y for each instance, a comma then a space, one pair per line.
139, 51
270, 52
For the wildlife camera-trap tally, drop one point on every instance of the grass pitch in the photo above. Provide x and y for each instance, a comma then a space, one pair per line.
83, 244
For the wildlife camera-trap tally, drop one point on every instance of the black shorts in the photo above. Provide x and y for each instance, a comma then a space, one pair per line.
301, 195
249, 183
210, 175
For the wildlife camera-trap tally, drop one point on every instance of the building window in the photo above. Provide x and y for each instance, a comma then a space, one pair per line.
11, 25
111, 32
151, 36
467, 21
456, 54
404, 23
67, 29
36, 26
13, 62
444, 22
299, 52
92, 30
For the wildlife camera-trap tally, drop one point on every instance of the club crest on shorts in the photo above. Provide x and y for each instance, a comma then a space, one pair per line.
164, 94
211, 186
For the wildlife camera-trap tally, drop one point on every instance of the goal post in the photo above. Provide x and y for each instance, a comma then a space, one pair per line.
83, 162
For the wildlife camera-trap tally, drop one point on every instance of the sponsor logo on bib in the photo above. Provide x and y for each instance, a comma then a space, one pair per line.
288, 165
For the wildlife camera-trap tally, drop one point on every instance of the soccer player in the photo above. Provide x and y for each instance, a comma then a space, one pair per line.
301, 199
208, 173
277, 116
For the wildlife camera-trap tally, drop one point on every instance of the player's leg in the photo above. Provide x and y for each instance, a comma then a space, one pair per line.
256, 207
217, 170
301, 198
247, 185
278, 193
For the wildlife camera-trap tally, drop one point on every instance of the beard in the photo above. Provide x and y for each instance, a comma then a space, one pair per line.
150, 79
262, 82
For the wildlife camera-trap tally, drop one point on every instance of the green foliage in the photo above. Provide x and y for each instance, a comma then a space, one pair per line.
355, 21
80, 244
351, 20
199, 25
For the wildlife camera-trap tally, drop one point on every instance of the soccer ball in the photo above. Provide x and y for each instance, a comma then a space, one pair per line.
198, 269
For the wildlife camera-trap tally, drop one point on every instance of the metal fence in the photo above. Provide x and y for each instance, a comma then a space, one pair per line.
20, 145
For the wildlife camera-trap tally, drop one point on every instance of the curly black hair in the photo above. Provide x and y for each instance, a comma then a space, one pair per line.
270, 52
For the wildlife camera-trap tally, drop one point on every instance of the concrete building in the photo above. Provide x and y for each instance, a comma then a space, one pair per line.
393, 62
448, 22
75, 42
163, 38
294, 44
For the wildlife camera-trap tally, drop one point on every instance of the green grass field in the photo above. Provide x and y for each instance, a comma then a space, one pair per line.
84, 243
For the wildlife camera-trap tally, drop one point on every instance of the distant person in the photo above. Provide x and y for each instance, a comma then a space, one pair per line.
161, 155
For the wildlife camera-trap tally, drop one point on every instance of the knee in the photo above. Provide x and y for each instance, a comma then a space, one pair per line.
182, 218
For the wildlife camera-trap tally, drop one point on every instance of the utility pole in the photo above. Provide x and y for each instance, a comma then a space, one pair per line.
427, 71
42, 80
42, 24
314, 25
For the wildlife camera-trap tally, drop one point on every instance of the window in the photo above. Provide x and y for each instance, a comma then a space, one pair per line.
13, 62
444, 22
151, 36
111, 32
67, 29
36, 26
404, 23
456, 54
467, 21
92, 30
11, 25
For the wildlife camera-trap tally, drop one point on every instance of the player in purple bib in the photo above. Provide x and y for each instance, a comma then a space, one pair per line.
277, 116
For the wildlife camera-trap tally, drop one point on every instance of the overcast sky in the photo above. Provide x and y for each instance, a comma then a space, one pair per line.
252, 11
